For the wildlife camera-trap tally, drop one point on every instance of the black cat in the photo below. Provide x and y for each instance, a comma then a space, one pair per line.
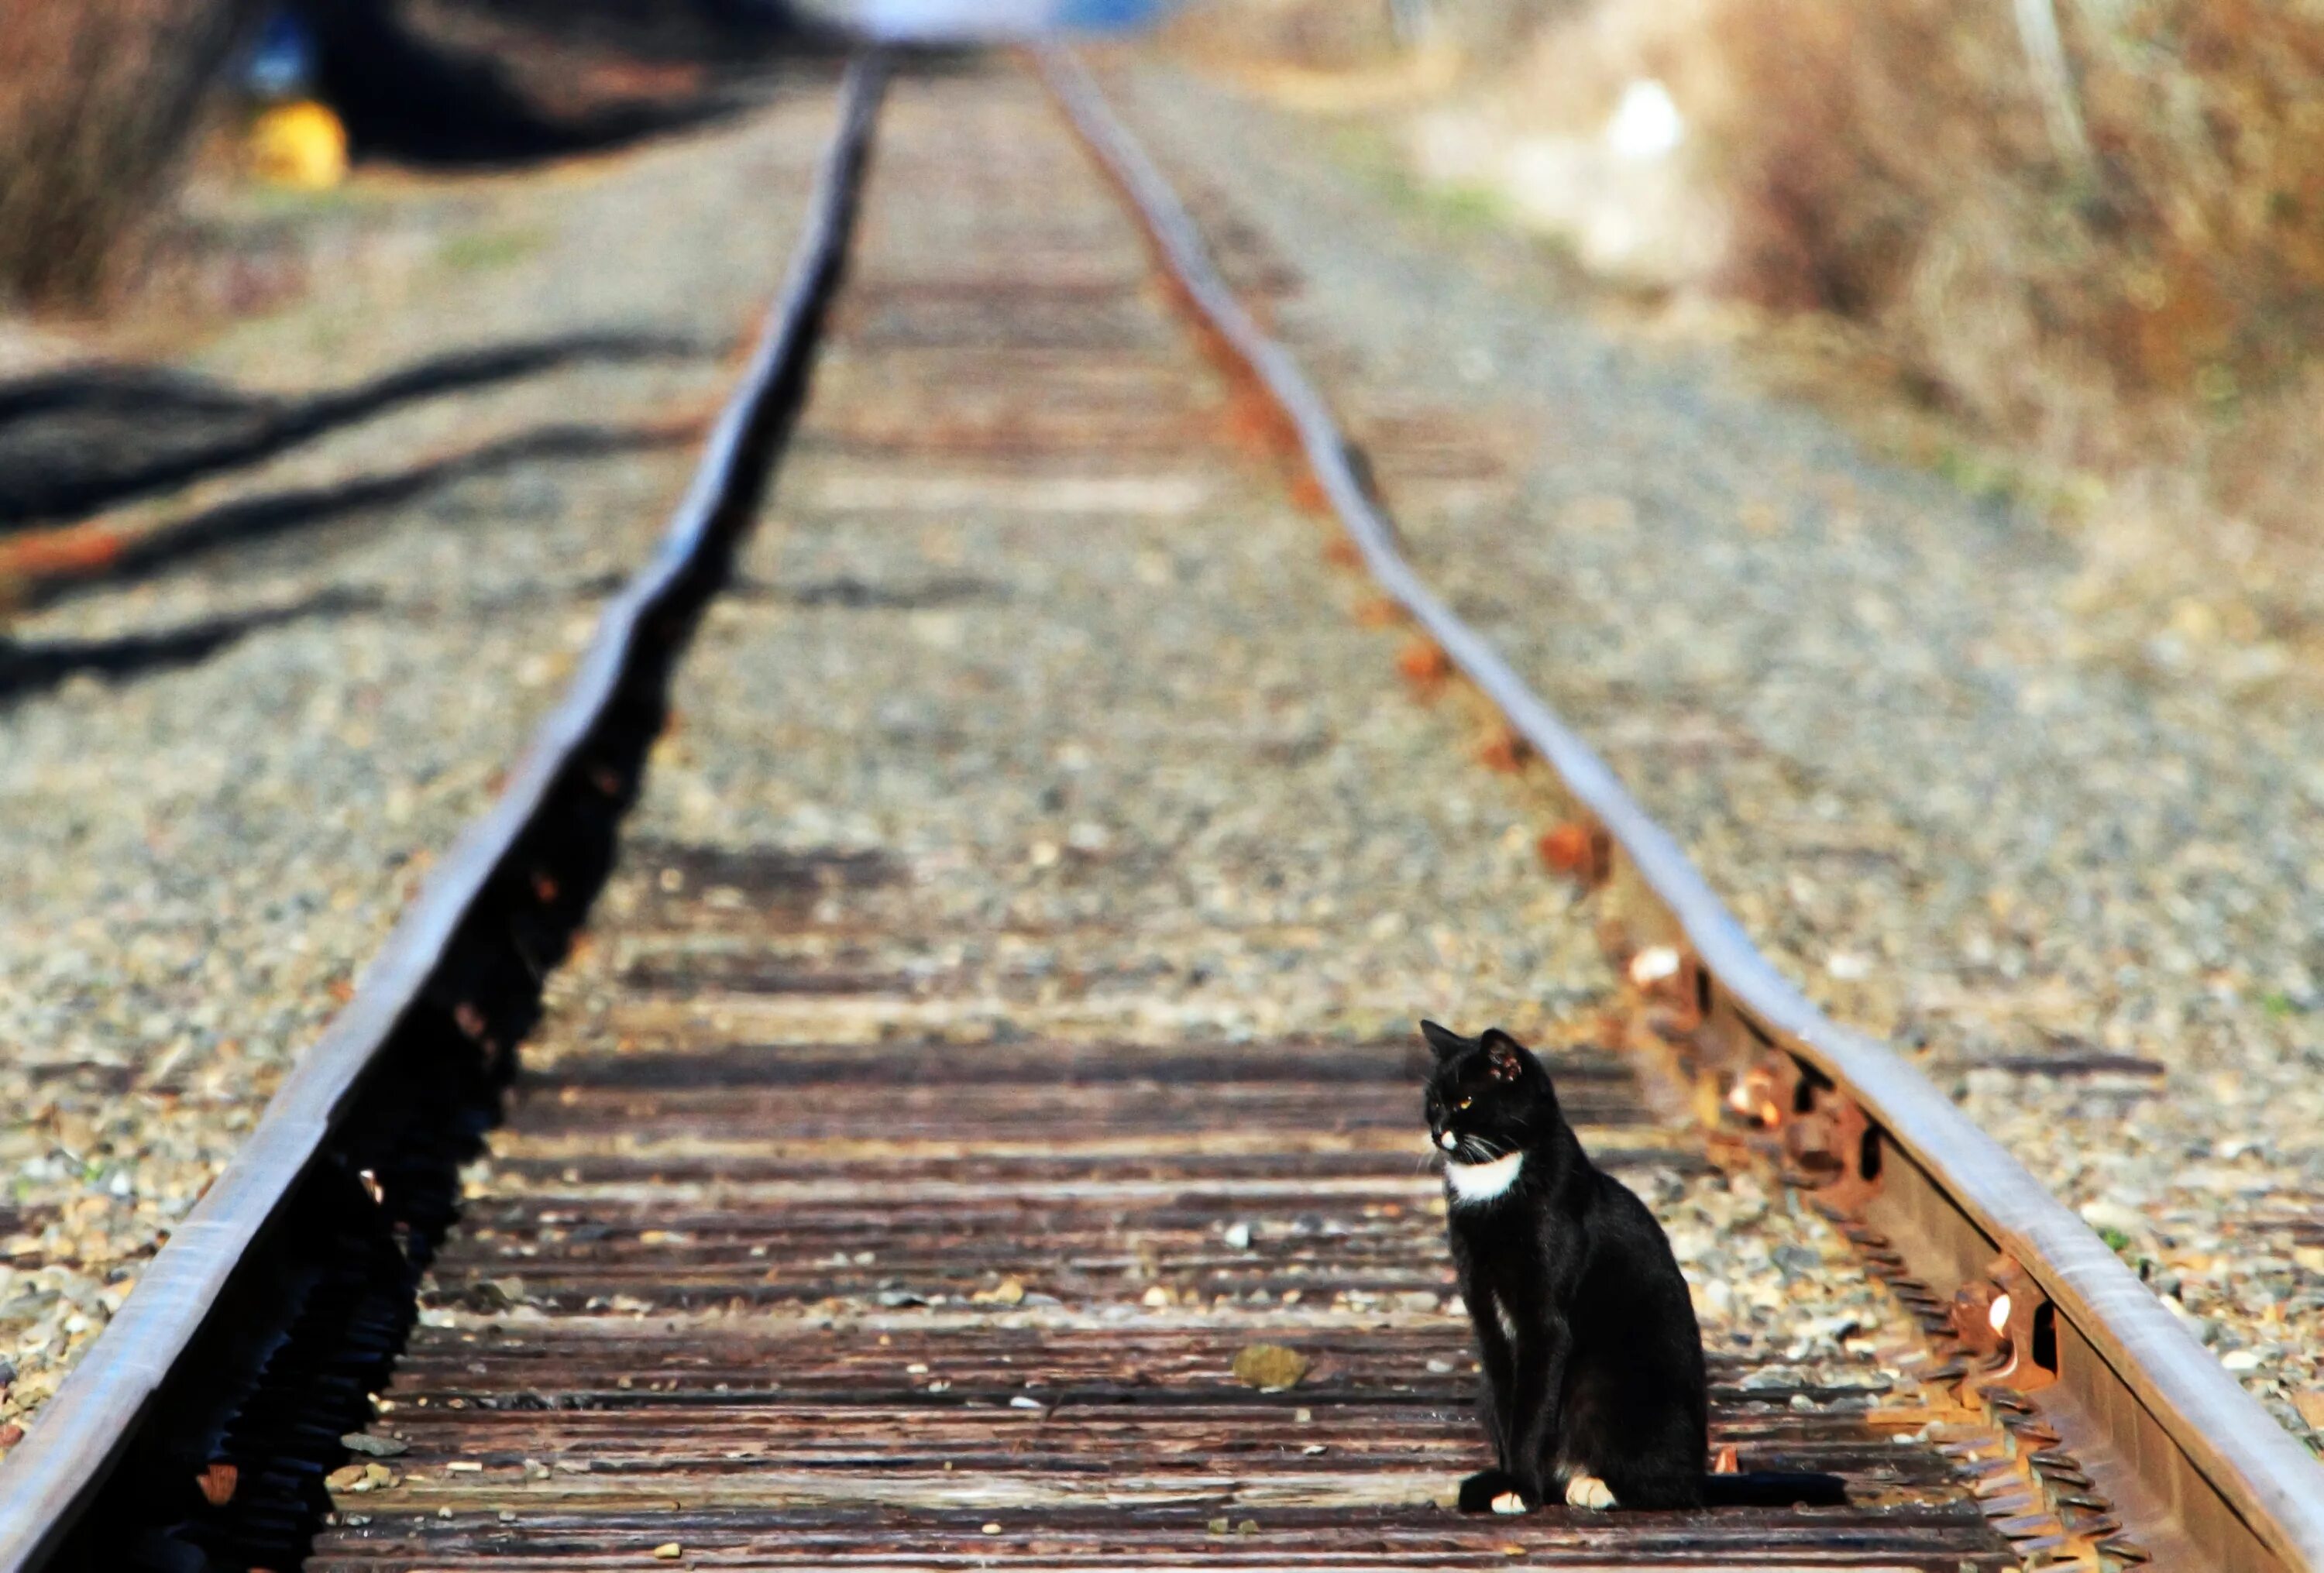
1594, 1389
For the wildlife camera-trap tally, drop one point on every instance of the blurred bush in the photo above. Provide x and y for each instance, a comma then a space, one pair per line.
1896, 162
2095, 228
99, 101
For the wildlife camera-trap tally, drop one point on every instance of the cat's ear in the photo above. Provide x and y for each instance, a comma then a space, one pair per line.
1506, 1057
1442, 1039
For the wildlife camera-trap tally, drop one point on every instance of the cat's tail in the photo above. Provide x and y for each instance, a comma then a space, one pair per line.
1773, 1488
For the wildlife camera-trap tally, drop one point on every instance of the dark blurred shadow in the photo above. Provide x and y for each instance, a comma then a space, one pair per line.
251, 521
29, 666
496, 82
74, 442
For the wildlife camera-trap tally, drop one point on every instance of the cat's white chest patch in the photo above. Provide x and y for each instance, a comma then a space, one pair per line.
1479, 1182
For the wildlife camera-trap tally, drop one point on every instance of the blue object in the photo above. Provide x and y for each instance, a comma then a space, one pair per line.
1109, 15
282, 62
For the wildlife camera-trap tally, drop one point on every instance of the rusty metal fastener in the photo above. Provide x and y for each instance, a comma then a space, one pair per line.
1425, 665
1584, 854
2004, 1318
1504, 751
1838, 1149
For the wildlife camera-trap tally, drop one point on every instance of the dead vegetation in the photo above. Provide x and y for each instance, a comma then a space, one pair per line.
2115, 265
99, 102
2162, 292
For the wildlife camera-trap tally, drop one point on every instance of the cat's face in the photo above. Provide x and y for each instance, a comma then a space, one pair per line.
1487, 1096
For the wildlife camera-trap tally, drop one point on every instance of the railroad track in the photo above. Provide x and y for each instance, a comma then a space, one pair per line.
847, 1211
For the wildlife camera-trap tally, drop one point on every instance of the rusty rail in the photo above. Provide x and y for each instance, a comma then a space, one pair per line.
51, 1478
2191, 1462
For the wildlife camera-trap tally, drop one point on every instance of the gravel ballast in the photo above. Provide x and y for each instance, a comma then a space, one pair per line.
2046, 821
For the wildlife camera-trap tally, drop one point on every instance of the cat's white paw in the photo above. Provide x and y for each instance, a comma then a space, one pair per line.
1587, 1491
1509, 1502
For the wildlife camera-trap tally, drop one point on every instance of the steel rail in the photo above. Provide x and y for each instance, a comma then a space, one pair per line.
74, 1443
2167, 1418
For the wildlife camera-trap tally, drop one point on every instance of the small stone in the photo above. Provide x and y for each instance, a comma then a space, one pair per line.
1238, 1235
374, 1447
2240, 1360
1217, 1526
2112, 1215
1248, 1526
992, 1528
667, 1552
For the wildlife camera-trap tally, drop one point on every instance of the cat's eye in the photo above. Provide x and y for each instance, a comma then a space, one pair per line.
1467, 1101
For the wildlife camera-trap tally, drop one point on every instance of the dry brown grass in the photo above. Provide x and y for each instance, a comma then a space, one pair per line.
1891, 162
99, 100
2152, 312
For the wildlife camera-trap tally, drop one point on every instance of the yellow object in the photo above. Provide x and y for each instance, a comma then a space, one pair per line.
300, 145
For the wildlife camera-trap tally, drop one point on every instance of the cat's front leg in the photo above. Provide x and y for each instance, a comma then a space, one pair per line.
1536, 1392
1499, 1359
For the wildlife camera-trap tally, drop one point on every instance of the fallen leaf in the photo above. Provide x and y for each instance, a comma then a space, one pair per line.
2310, 1405
217, 1483
1269, 1368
